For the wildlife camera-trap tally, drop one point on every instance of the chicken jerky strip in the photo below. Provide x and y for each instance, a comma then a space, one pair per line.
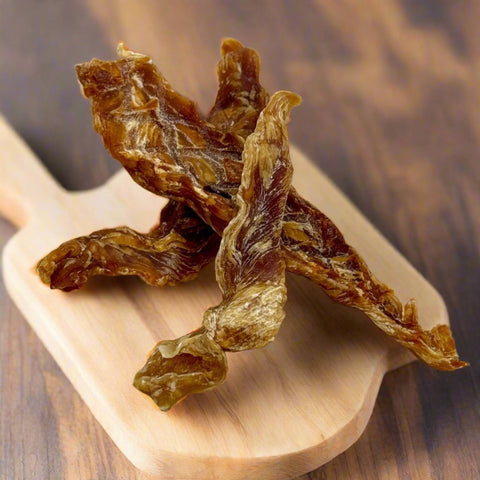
250, 265
240, 97
173, 252
177, 368
164, 255
162, 141
316, 249
160, 138
250, 270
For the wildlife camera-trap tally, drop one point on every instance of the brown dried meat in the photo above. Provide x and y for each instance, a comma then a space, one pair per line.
182, 244
190, 364
142, 121
250, 265
250, 270
173, 252
167, 147
240, 97
160, 138
316, 249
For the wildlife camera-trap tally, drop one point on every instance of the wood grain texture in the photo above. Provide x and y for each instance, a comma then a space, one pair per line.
390, 113
284, 409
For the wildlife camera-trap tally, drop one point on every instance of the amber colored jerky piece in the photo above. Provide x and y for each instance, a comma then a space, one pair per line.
250, 267
173, 252
313, 245
159, 136
190, 364
240, 97
138, 114
250, 270
161, 139
316, 249
183, 244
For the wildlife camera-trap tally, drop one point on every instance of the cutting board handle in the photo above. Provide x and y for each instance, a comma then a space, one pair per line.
26, 186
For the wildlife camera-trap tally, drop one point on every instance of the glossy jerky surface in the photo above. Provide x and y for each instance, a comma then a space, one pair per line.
173, 252
168, 148
250, 266
190, 364
240, 97
250, 270
313, 246
182, 244
316, 249
160, 137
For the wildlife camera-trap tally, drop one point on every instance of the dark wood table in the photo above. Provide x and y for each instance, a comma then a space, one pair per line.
391, 113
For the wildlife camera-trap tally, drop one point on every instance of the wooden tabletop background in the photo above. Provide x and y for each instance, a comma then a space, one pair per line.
391, 113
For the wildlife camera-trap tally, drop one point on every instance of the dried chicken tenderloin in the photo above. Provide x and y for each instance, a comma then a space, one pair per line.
250, 270
313, 245
177, 368
250, 267
316, 249
160, 138
240, 97
182, 244
173, 252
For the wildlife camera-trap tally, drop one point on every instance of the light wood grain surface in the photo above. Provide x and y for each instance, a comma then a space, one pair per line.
390, 113
284, 410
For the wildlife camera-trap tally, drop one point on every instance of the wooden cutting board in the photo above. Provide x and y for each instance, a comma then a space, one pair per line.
283, 411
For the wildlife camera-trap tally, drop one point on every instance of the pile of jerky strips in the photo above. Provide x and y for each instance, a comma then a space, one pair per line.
228, 181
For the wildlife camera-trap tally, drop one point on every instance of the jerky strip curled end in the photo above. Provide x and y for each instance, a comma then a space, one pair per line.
171, 253
176, 368
240, 97
435, 347
249, 267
